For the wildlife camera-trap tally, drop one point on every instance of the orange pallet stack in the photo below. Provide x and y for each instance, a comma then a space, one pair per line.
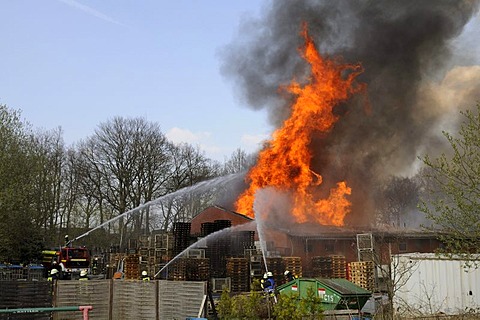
131, 266
294, 265
362, 273
339, 266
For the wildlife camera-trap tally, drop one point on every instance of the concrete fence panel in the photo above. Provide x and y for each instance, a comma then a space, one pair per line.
180, 299
79, 293
134, 300
110, 299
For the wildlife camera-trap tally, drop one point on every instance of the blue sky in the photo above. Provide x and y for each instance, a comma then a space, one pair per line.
77, 63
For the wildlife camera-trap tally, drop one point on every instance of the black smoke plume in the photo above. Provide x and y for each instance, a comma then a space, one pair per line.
402, 45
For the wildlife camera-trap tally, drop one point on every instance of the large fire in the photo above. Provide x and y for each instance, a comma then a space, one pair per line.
285, 163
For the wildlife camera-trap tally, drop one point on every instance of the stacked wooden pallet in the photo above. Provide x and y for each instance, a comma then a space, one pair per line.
332, 266
222, 224
163, 241
197, 269
277, 268
362, 273
339, 266
144, 254
131, 266
257, 267
275, 265
294, 265
218, 248
181, 235
132, 244
177, 270
144, 241
322, 267
217, 251
208, 228
161, 256
143, 251
256, 258
238, 272
239, 241
114, 261
162, 250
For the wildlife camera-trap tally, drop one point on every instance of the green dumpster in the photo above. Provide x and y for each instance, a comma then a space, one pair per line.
336, 294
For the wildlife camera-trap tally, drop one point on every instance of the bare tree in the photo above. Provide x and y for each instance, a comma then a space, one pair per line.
71, 188
48, 182
125, 164
189, 167
152, 171
398, 197
238, 162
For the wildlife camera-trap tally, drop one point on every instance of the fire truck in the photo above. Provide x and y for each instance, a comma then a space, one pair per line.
70, 260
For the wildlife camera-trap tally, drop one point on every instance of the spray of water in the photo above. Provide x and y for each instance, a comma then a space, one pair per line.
261, 237
201, 186
202, 243
270, 206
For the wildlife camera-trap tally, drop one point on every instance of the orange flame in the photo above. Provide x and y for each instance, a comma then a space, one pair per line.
285, 163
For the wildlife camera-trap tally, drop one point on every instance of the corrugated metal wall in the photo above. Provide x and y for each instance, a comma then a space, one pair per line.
428, 284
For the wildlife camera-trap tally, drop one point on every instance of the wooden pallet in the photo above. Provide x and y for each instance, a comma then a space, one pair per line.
294, 265
164, 240
362, 273
143, 241
237, 269
197, 269
332, 266
367, 285
177, 271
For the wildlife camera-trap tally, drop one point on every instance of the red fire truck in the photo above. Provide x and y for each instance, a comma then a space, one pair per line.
73, 261
70, 260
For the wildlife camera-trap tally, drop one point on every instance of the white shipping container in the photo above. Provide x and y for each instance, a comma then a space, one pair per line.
429, 284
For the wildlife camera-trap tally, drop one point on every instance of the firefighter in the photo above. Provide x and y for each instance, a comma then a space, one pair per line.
53, 275
145, 276
83, 275
289, 276
57, 267
262, 282
269, 285
95, 266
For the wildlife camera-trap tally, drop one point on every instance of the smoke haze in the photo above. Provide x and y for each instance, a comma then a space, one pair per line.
405, 48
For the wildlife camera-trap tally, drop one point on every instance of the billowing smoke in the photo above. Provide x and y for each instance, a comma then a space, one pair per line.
405, 48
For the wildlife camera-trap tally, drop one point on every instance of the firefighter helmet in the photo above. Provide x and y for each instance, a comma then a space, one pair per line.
269, 274
83, 273
144, 273
286, 272
53, 271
